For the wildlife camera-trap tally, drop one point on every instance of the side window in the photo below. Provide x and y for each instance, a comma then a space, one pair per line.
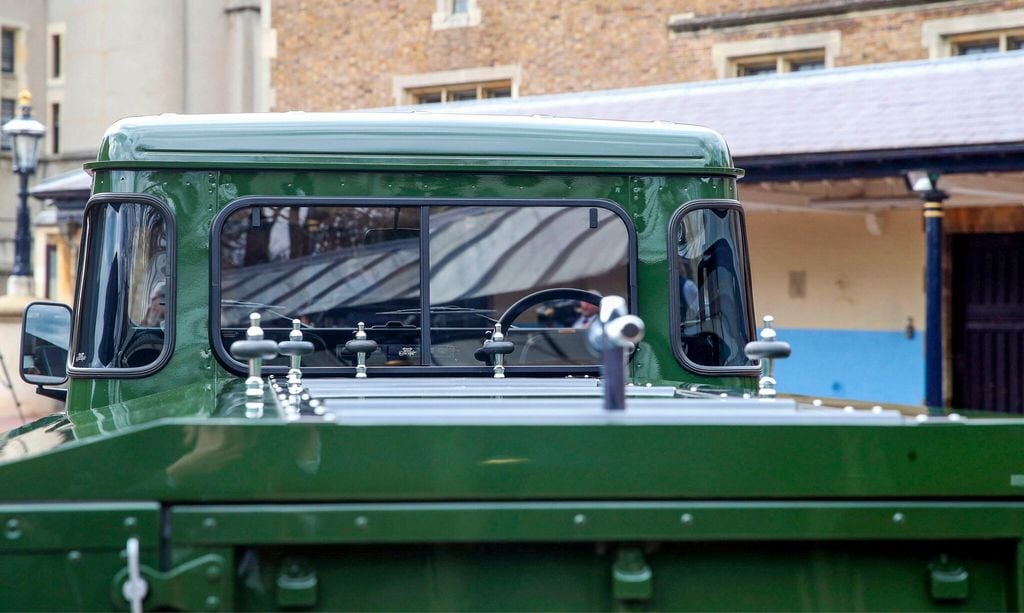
126, 295
709, 288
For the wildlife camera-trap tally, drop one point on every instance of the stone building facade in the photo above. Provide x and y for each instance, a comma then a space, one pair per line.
345, 55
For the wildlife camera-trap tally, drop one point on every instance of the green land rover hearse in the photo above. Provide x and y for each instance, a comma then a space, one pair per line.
405, 361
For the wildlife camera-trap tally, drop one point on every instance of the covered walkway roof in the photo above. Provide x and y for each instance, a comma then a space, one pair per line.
959, 114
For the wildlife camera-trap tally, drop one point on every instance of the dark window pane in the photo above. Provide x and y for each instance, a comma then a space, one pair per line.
466, 94
1013, 44
802, 65
331, 268
6, 114
124, 293
55, 53
55, 127
484, 259
752, 70
7, 51
498, 92
429, 98
710, 286
976, 48
460, 6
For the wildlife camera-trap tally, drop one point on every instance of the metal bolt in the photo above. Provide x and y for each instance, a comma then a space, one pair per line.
954, 417
130, 522
898, 518
848, 409
74, 555
580, 519
686, 519
212, 603
816, 402
361, 523
209, 523
921, 417
13, 531
213, 573
876, 409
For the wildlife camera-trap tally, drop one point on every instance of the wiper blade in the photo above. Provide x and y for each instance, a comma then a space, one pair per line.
273, 309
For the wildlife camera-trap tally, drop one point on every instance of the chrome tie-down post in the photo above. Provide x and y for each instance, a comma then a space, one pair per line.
496, 348
295, 348
363, 348
254, 350
615, 335
767, 350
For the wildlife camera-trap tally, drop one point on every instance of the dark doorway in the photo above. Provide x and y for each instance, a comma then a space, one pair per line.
988, 322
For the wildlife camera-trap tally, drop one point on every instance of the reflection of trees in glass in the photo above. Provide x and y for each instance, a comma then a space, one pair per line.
292, 232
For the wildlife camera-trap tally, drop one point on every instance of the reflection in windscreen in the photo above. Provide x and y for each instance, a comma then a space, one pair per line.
333, 267
124, 294
712, 311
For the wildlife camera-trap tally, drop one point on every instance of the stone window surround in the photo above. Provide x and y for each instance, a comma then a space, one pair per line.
401, 84
724, 56
445, 17
937, 35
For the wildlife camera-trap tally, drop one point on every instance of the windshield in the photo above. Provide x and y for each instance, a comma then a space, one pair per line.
124, 295
392, 268
709, 287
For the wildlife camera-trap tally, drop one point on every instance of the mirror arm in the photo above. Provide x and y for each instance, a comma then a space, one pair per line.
55, 393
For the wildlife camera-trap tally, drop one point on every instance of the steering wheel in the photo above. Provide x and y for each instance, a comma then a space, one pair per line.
544, 295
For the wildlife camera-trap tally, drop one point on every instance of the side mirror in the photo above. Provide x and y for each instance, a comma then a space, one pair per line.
45, 338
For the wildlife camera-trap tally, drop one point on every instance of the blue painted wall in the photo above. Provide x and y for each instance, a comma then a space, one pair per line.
855, 364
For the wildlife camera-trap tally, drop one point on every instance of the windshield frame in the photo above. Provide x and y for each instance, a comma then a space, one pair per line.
752, 370
424, 205
165, 211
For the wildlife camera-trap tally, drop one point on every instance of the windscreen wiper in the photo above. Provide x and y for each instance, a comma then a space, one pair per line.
273, 309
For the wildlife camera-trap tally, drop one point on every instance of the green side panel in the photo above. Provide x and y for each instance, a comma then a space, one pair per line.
238, 460
594, 521
64, 556
866, 576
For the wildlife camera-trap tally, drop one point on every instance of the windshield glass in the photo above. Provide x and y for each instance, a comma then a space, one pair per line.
709, 287
124, 294
457, 267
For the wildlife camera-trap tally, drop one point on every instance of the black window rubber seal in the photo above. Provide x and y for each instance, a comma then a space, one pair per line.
172, 289
234, 366
752, 370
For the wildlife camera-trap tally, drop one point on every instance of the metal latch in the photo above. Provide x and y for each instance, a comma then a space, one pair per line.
200, 584
948, 579
632, 579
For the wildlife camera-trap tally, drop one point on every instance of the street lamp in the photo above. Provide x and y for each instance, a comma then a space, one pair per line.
926, 185
26, 135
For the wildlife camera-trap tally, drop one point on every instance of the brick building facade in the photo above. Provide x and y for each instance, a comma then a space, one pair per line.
334, 55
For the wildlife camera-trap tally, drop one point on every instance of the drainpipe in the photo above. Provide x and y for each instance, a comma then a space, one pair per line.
925, 185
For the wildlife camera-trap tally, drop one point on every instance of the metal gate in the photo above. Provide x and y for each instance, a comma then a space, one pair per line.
988, 321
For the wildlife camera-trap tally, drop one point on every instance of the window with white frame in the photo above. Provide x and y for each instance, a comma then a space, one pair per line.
798, 53
455, 14
457, 85
974, 34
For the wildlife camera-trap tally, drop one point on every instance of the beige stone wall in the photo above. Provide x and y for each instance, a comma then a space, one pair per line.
334, 55
855, 280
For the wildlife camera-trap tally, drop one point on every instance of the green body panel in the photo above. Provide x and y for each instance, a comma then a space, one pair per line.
715, 513
231, 460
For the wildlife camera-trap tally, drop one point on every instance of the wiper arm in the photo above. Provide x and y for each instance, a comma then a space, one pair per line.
446, 309
269, 308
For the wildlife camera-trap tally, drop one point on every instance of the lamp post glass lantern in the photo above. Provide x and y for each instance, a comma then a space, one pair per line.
26, 137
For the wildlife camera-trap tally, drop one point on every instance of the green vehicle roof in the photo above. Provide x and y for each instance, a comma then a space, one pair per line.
412, 141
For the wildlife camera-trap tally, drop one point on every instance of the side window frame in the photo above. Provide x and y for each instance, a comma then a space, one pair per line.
84, 259
235, 367
752, 370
